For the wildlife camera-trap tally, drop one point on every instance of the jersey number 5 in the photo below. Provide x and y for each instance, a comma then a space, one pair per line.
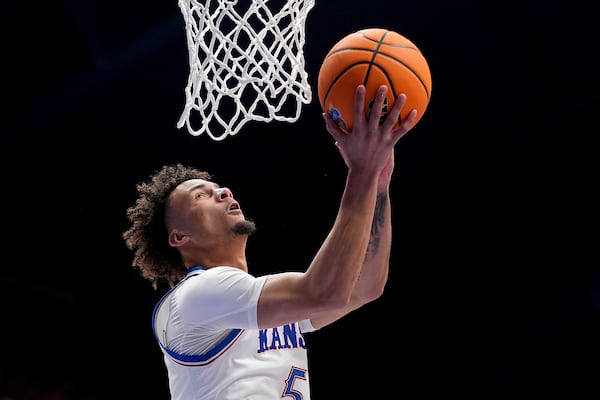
289, 391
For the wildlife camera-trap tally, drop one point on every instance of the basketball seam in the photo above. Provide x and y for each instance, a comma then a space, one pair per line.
370, 63
337, 78
418, 76
375, 51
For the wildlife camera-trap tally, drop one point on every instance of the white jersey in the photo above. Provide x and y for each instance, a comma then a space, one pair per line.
207, 329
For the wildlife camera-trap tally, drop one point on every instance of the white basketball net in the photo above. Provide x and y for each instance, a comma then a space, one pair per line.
246, 63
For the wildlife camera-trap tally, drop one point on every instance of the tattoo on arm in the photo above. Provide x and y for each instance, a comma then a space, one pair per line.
378, 222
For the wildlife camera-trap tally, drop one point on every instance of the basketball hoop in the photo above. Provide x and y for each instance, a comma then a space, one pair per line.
246, 63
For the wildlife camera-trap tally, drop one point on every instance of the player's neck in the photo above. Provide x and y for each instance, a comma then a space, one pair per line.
232, 256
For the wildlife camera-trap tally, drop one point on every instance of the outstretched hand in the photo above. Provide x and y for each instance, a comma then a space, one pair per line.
370, 144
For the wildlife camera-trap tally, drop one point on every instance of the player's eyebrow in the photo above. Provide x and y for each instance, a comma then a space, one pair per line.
203, 185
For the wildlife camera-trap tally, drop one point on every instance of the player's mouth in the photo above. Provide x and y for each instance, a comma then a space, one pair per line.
234, 207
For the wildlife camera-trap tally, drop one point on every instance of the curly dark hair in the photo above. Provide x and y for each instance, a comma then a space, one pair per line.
147, 237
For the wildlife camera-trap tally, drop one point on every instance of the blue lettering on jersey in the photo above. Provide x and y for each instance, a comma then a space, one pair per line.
281, 337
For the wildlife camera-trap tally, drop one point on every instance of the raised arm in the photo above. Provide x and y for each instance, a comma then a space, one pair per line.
353, 258
374, 272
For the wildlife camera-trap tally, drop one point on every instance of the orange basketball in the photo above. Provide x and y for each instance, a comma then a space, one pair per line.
373, 57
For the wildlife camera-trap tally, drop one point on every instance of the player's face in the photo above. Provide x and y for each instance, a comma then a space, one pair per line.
206, 211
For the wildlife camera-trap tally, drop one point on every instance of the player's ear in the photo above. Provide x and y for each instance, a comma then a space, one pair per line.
177, 238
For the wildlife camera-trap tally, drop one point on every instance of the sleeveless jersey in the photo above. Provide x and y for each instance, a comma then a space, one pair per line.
207, 329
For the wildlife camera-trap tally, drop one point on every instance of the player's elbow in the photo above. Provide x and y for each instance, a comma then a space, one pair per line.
329, 297
378, 289
332, 300
372, 295
369, 293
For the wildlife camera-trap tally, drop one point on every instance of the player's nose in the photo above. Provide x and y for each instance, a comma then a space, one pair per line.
224, 193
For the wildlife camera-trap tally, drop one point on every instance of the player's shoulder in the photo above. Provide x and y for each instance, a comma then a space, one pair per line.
220, 272
209, 282
212, 271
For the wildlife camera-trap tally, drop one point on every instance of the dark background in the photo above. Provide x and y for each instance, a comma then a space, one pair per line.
493, 291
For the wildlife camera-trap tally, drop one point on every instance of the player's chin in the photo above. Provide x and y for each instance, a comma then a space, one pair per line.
244, 227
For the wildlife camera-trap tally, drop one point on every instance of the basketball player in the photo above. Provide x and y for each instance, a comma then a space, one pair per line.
228, 335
